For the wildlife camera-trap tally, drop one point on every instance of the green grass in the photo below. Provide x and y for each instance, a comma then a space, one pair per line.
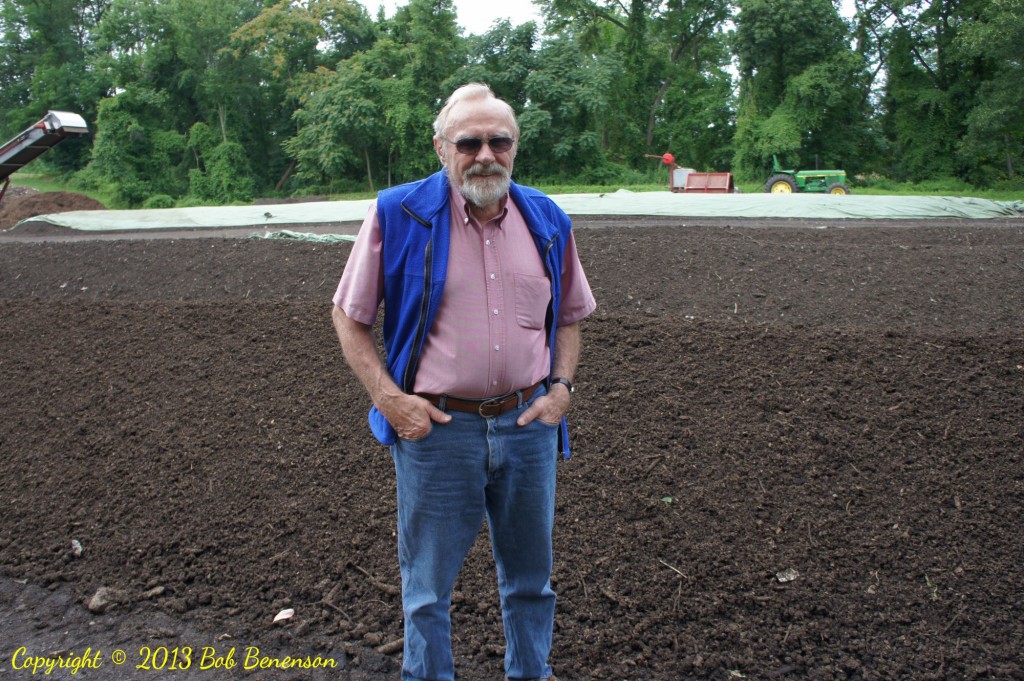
546, 188
911, 189
55, 183
873, 186
599, 189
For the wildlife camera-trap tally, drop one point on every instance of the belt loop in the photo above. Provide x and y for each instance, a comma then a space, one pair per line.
442, 401
519, 399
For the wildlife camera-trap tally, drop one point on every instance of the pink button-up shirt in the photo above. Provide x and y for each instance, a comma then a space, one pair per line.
488, 337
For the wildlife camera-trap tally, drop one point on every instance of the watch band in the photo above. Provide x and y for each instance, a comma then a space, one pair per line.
564, 381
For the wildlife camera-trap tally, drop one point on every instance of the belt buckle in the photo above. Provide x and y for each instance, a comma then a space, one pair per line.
487, 406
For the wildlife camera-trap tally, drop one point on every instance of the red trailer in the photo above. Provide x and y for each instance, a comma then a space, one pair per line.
689, 180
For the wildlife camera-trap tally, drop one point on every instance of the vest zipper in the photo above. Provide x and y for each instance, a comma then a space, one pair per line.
549, 317
414, 360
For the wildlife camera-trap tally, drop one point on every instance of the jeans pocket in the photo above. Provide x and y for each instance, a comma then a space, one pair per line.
421, 438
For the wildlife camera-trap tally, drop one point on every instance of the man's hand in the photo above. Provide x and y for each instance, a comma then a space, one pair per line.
411, 416
549, 408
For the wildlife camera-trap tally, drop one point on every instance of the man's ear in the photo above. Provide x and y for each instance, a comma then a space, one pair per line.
439, 149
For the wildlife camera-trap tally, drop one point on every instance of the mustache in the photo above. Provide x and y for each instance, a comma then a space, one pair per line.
478, 169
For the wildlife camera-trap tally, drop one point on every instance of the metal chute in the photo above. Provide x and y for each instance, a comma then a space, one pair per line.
48, 132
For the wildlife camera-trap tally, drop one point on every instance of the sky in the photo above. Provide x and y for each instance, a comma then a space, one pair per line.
476, 16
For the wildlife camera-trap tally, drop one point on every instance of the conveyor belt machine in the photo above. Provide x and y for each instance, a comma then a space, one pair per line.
51, 130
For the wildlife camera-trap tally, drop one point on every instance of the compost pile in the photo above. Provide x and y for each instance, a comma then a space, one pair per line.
798, 454
21, 205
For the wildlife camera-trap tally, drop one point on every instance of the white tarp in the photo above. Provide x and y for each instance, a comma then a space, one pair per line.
666, 203
270, 216
761, 205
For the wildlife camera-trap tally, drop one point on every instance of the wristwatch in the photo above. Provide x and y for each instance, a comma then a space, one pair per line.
564, 381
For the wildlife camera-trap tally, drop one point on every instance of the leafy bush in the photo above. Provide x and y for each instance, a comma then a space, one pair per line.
607, 173
133, 151
158, 201
227, 177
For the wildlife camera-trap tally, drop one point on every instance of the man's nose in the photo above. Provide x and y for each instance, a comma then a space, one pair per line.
486, 154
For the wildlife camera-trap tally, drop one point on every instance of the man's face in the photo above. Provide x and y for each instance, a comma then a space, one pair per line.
482, 177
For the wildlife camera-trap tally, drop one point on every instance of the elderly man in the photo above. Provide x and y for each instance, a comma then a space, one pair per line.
483, 294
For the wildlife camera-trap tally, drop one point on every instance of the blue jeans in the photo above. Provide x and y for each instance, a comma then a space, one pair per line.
447, 481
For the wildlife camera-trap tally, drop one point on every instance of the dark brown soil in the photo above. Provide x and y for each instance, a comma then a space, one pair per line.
19, 205
798, 454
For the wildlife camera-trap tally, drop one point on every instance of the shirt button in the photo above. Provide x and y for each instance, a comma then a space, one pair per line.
495, 310
488, 242
497, 347
494, 383
493, 277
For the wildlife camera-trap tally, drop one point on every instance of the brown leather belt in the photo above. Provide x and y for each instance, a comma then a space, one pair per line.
490, 406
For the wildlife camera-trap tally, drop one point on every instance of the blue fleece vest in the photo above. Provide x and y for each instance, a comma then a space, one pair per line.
415, 225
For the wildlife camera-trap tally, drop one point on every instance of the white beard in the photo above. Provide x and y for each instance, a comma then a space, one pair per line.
482, 191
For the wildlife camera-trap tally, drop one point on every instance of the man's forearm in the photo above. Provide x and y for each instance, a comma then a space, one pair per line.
567, 350
360, 350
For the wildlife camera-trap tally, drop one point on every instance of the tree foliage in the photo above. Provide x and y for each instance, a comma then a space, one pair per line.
993, 145
221, 100
804, 93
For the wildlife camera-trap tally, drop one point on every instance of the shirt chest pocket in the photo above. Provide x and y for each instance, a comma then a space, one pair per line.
533, 294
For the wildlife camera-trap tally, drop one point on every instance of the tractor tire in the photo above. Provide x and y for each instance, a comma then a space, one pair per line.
838, 188
780, 184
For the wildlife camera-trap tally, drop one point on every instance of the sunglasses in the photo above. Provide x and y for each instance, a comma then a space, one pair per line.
472, 145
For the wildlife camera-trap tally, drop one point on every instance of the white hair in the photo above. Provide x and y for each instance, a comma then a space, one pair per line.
469, 93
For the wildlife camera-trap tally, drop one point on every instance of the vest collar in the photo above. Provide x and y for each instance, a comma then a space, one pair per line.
428, 198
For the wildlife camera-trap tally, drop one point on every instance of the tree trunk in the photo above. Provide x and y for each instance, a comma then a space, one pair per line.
654, 111
284, 177
369, 172
223, 116
1009, 157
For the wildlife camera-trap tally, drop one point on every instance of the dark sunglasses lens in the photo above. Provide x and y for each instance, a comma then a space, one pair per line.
469, 145
472, 145
500, 144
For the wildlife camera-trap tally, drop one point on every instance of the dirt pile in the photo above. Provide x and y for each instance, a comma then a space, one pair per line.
21, 206
798, 455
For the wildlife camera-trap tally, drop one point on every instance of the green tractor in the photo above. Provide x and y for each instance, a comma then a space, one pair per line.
790, 181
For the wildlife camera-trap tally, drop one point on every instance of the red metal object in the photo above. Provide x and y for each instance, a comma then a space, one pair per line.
689, 180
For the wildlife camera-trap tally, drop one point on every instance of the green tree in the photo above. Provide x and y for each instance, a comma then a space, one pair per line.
176, 49
503, 57
341, 126
654, 48
223, 177
291, 39
569, 98
46, 48
933, 84
692, 112
374, 111
993, 145
803, 92
616, 32
134, 151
